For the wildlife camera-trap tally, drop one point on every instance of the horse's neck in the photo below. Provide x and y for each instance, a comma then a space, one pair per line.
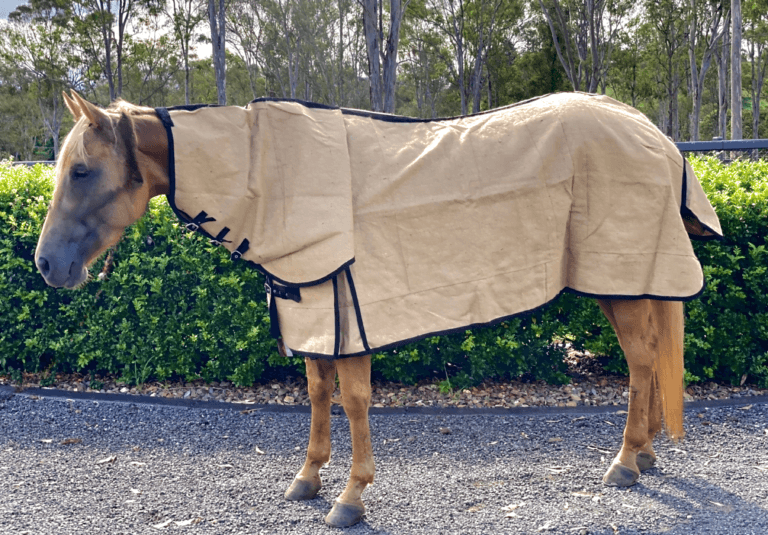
152, 148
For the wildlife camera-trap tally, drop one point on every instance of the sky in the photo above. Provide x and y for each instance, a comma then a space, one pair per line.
6, 6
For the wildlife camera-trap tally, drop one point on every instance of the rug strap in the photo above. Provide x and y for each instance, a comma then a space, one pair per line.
282, 292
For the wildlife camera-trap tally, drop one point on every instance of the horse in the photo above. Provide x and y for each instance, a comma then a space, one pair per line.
115, 160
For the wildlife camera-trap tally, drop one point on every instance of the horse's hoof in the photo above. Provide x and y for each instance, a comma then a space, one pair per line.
620, 476
645, 461
303, 489
345, 514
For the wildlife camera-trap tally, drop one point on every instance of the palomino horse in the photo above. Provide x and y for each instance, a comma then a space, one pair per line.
115, 160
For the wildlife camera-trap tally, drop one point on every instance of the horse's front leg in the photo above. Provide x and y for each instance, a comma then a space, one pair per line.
321, 375
639, 338
355, 383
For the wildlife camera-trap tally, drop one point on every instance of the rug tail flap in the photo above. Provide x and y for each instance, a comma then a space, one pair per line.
706, 224
275, 174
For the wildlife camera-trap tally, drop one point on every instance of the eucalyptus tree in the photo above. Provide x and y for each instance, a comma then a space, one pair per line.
35, 44
585, 33
151, 62
382, 53
245, 38
100, 31
664, 29
423, 73
217, 24
185, 16
756, 33
736, 88
706, 28
471, 28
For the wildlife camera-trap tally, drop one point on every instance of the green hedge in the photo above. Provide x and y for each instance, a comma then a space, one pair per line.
175, 306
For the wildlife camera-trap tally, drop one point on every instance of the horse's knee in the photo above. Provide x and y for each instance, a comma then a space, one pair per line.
320, 381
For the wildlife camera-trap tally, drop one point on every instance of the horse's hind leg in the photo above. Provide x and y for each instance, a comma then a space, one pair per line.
638, 335
355, 383
321, 375
646, 457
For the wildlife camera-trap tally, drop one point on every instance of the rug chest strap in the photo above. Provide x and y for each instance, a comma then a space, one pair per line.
282, 292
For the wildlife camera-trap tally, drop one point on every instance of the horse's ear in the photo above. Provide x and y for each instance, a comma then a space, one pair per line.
95, 115
74, 109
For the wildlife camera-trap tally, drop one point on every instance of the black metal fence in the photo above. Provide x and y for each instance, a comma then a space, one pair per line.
728, 150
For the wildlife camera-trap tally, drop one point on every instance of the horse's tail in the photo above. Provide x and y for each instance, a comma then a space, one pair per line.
670, 366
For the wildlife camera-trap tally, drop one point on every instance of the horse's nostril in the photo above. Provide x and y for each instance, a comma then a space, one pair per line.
43, 266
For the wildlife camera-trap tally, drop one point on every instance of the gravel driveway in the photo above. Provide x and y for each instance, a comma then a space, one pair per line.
101, 466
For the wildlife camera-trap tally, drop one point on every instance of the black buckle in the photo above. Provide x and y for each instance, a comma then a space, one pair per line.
198, 220
219, 239
283, 292
240, 251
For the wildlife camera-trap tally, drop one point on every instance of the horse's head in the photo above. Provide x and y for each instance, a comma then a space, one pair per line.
104, 180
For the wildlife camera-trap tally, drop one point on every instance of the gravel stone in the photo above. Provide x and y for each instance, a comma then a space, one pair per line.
140, 468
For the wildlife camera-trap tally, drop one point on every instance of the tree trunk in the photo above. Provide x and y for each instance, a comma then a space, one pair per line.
722, 86
217, 20
370, 10
736, 130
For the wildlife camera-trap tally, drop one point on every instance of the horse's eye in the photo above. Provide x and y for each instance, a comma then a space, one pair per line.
79, 172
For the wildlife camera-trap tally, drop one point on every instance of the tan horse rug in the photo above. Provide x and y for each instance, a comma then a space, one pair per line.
374, 230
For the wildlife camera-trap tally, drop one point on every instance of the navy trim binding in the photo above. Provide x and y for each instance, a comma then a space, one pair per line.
358, 312
336, 319
686, 212
496, 321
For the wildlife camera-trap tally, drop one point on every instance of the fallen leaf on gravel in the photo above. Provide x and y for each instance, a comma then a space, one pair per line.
579, 418
560, 469
763, 468
614, 528
512, 515
71, 441
512, 506
610, 423
546, 527
628, 506
476, 508
745, 408
582, 494
224, 466
162, 525
46, 440
622, 412
137, 463
257, 450
135, 491
555, 439
111, 459
183, 523
718, 504
445, 430
600, 450
676, 450
522, 434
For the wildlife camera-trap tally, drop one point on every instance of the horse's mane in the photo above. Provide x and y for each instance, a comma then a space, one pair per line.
120, 106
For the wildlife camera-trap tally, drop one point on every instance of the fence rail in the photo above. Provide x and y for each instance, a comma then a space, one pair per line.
758, 148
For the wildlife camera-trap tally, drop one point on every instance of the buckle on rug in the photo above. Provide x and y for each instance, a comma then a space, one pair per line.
198, 220
240, 251
219, 239
283, 292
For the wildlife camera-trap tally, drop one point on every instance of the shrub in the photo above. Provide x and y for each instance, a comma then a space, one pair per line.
175, 306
